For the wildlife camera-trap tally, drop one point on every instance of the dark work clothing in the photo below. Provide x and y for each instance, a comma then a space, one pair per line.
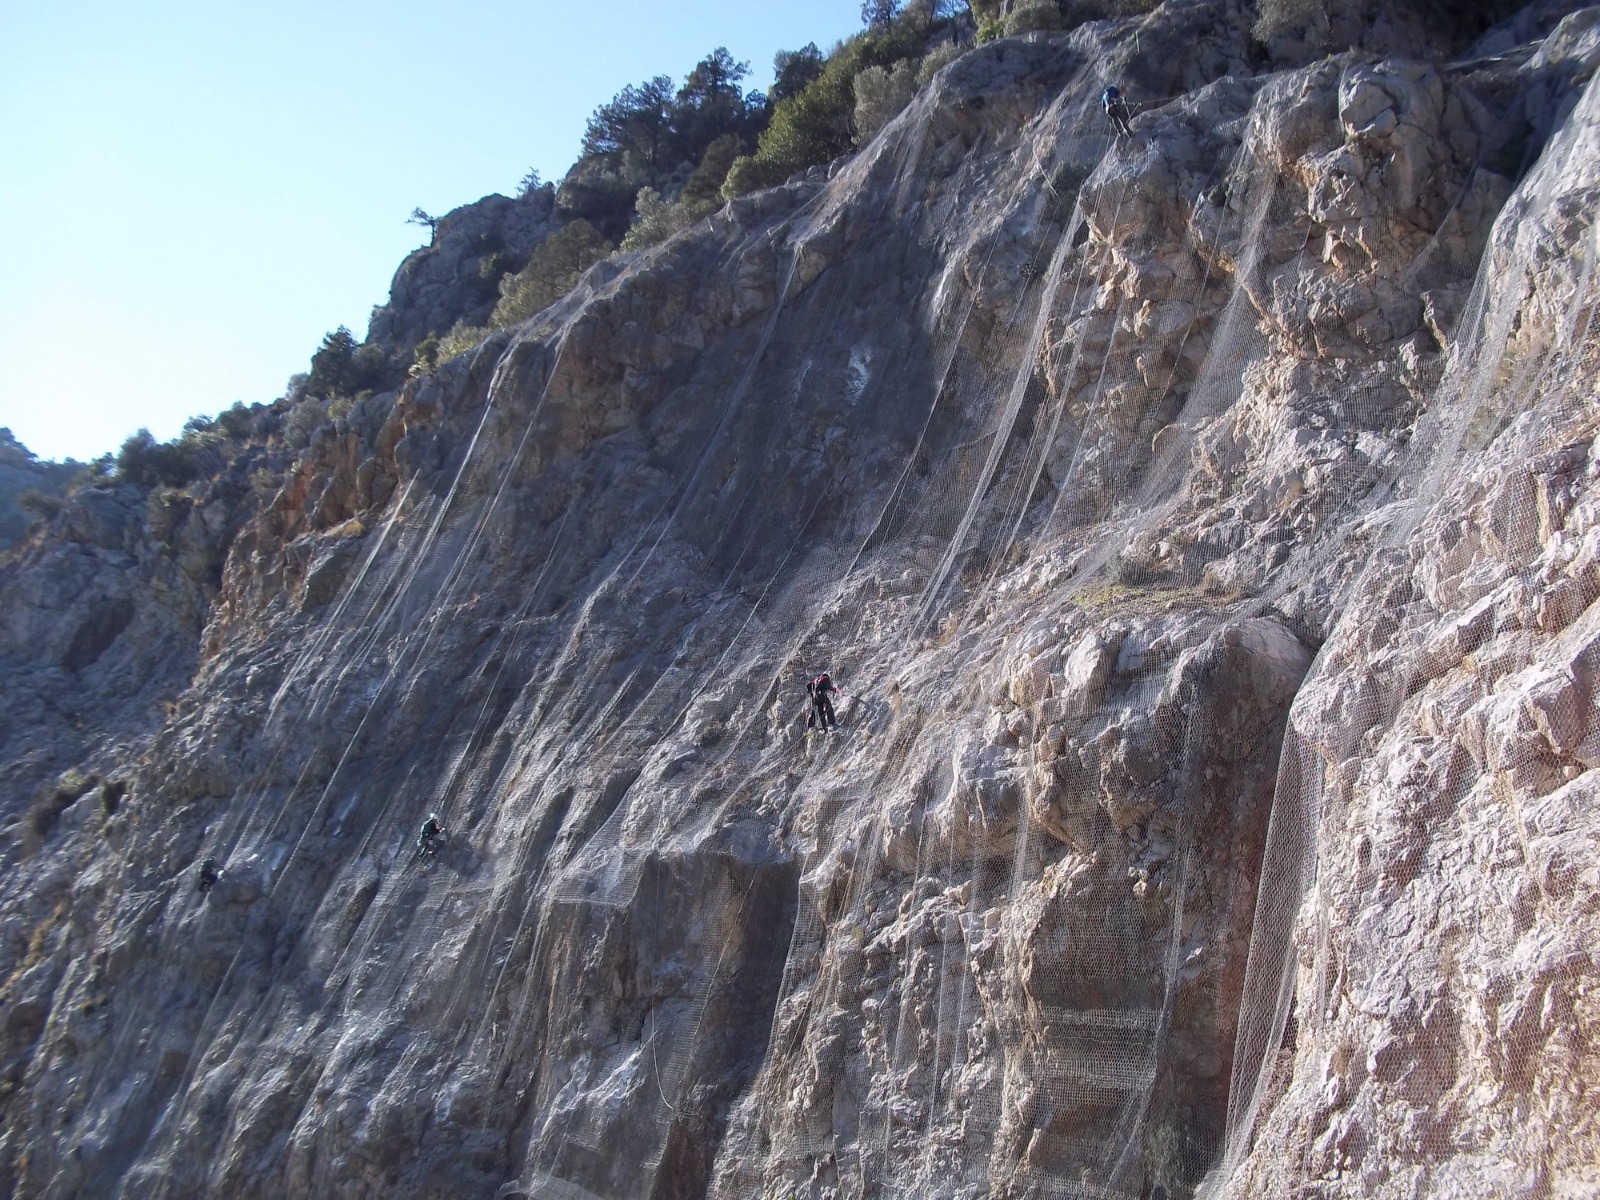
1117, 112
820, 689
822, 712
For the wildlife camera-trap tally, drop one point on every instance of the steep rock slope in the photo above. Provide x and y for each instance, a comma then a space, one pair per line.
455, 276
22, 473
1103, 477
1436, 816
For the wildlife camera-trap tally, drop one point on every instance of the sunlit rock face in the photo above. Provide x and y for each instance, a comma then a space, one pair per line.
455, 277
1202, 528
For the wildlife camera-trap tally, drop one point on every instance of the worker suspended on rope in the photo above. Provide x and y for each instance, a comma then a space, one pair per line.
428, 839
1117, 111
208, 875
820, 690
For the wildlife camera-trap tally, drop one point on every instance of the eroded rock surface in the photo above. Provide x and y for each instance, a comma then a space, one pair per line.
1202, 529
456, 276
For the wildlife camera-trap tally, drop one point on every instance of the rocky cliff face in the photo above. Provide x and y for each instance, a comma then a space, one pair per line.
1203, 528
456, 276
22, 474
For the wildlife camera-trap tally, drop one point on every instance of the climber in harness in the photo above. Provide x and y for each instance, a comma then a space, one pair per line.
428, 839
207, 877
820, 689
1117, 111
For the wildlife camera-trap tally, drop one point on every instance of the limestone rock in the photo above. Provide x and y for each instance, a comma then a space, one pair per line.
1203, 530
454, 277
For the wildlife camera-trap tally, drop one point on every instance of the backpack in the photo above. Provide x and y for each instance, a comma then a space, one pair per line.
819, 686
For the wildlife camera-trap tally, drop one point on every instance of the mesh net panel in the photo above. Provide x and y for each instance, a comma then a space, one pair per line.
1369, 767
1019, 921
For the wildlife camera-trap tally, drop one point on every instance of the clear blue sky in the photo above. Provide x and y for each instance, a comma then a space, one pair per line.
193, 193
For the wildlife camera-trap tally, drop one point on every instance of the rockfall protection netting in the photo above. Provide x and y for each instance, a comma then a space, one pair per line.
1468, 562
934, 953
